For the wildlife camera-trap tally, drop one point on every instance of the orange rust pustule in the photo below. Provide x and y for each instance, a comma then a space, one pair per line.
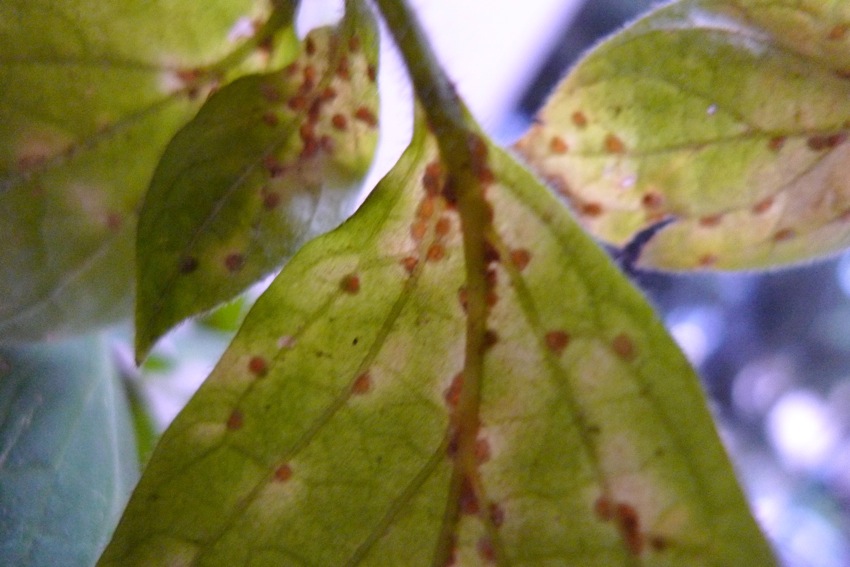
629, 524
409, 264
614, 145
520, 257
559, 146
258, 366
592, 210
763, 206
624, 347
234, 262
235, 420
467, 499
557, 341
350, 284
362, 384
826, 142
497, 514
283, 473
784, 234
271, 200
452, 394
579, 119
486, 551
710, 221
431, 178
776, 143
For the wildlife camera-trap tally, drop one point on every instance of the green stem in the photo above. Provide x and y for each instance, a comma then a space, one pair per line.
463, 152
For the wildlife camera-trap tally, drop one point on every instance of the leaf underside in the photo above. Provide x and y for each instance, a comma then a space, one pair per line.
325, 434
89, 96
67, 452
730, 116
270, 161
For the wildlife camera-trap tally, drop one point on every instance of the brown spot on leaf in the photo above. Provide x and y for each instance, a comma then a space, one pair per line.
604, 508
763, 206
592, 210
366, 116
435, 253
309, 75
557, 341
270, 119
486, 551
452, 394
426, 208
838, 32
339, 122
283, 473
297, 103
271, 200
497, 514
273, 166
624, 347
468, 500
491, 254
234, 262
258, 366
342, 69
614, 145
418, 230
310, 46
270, 93
431, 178
449, 193
826, 142
784, 234
776, 143
350, 284
520, 257
482, 450
463, 297
707, 260
658, 543
235, 420
652, 200
329, 93
629, 524
409, 263
491, 337
710, 221
372, 73
354, 43
443, 226
557, 145
579, 119
362, 384
188, 264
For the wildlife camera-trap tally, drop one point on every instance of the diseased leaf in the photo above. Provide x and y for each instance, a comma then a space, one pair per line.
89, 95
67, 453
327, 434
731, 116
269, 161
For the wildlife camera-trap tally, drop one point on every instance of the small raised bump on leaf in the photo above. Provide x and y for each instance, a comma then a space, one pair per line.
273, 166
579, 119
435, 253
258, 366
342, 69
485, 550
826, 142
710, 221
372, 73
451, 395
838, 32
629, 523
557, 341
283, 473
418, 230
235, 420
354, 44
309, 76
784, 234
449, 193
557, 145
270, 119
776, 143
234, 262
431, 178
328, 93
614, 145
763, 206
592, 210
707, 260
350, 284
297, 103
491, 337
271, 200
425, 210
310, 46
339, 122
652, 200
468, 500
366, 116
409, 264
443, 226
658, 543
520, 257
624, 347
603, 508
362, 384
187, 264
491, 255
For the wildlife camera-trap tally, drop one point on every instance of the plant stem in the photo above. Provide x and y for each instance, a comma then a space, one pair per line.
463, 152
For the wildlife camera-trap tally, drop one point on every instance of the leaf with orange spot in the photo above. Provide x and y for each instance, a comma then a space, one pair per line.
270, 161
730, 116
90, 94
347, 449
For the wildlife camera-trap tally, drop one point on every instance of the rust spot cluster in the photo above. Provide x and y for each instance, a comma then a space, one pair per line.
625, 517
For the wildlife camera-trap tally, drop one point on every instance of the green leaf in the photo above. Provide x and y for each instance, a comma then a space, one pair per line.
90, 93
269, 161
731, 116
67, 452
327, 434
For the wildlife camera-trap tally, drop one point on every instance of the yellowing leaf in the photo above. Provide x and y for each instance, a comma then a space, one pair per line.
731, 116
269, 161
329, 433
90, 93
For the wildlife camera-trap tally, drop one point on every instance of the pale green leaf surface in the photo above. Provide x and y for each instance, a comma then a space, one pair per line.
731, 116
323, 435
269, 161
67, 452
90, 93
